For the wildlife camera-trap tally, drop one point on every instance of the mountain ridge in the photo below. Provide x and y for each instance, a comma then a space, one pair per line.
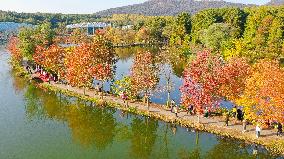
170, 7
276, 2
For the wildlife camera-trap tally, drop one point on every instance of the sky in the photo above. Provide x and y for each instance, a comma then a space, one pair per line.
77, 6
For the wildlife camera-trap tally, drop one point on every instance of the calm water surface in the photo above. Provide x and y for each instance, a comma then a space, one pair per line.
37, 124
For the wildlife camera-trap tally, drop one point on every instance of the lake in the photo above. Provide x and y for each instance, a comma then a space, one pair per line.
40, 124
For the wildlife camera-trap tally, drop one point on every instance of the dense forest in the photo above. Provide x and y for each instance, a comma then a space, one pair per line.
39, 18
254, 33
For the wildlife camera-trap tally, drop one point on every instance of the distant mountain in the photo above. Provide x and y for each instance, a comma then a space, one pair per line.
276, 2
169, 7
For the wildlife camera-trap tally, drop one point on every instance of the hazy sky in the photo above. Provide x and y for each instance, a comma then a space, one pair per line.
76, 6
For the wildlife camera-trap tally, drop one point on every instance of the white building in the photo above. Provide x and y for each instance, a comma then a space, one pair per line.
89, 27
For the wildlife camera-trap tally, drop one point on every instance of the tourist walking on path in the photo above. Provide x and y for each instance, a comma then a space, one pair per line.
227, 118
234, 111
97, 88
279, 129
176, 110
190, 110
123, 96
244, 125
206, 112
172, 105
257, 130
239, 114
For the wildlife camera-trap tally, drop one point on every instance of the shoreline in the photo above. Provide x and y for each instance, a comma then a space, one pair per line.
214, 125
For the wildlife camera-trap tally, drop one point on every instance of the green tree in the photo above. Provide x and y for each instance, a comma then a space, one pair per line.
263, 36
218, 36
29, 38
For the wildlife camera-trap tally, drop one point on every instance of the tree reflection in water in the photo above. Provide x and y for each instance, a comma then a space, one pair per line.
90, 126
143, 137
140, 137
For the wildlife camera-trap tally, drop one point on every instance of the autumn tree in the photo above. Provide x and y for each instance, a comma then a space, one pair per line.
51, 58
143, 35
208, 79
232, 78
30, 38
201, 82
88, 61
79, 36
263, 96
144, 74
263, 35
14, 50
124, 85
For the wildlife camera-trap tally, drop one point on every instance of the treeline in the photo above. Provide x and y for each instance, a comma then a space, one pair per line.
40, 18
252, 32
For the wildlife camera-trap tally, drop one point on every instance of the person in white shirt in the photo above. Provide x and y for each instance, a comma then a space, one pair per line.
257, 130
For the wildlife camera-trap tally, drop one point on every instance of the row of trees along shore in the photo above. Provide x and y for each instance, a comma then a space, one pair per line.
230, 54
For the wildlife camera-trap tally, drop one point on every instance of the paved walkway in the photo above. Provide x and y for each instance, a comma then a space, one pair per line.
218, 121
211, 124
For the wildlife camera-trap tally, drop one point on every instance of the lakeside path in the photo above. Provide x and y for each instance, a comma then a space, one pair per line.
212, 124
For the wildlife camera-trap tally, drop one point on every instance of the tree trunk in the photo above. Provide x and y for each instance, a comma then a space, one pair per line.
169, 99
148, 103
102, 90
198, 118
169, 91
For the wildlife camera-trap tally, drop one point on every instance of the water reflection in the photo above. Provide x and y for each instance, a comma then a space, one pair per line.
52, 125
168, 65
96, 127
144, 133
91, 125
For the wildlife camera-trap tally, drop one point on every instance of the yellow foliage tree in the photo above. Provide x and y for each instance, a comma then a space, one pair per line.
263, 98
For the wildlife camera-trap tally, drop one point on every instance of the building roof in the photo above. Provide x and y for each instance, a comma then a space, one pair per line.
86, 25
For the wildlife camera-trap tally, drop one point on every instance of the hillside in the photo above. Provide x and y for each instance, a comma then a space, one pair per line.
39, 18
276, 2
169, 7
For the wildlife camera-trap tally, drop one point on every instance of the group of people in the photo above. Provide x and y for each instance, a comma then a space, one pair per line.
238, 114
43, 75
277, 126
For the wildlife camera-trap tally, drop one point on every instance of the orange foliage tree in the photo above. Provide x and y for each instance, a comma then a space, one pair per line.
51, 58
144, 73
90, 60
263, 98
232, 77
14, 50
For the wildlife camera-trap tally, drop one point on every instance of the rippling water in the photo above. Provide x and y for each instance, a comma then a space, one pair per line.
44, 125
